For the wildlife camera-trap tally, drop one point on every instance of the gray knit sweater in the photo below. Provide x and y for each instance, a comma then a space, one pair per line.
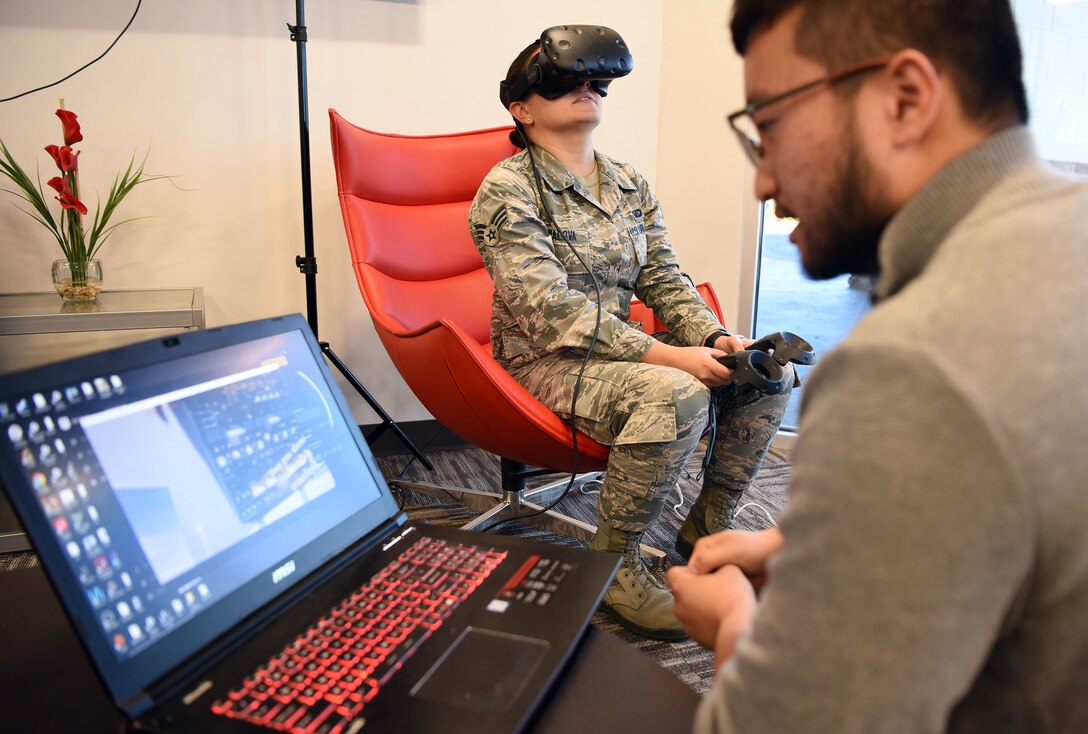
934, 576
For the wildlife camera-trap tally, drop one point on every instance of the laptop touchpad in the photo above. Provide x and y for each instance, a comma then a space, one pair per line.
483, 670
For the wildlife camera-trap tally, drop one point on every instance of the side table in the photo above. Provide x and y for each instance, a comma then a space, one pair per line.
46, 313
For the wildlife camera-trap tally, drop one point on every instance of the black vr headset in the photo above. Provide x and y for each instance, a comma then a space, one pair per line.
570, 54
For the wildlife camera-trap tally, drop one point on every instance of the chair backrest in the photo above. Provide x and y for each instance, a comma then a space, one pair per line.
405, 202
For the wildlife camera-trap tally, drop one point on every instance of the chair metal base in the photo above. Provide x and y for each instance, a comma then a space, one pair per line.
525, 504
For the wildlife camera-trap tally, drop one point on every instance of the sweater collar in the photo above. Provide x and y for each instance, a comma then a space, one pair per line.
914, 234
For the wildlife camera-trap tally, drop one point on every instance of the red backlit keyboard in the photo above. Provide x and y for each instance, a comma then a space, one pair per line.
322, 680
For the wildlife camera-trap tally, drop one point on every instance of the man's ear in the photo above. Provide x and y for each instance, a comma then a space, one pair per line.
520, 112
915, 96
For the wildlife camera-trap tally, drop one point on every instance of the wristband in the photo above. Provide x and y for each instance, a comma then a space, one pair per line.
714, 336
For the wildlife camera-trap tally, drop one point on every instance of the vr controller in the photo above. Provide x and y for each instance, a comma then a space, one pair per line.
760, 366
570, 54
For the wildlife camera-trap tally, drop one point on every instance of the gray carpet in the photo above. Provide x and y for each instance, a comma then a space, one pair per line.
480, 470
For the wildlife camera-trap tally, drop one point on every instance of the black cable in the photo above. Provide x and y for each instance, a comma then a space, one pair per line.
89, 63
712, 431
589, 352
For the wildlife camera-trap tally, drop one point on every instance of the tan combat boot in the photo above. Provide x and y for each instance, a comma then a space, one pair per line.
712, 512
637, 598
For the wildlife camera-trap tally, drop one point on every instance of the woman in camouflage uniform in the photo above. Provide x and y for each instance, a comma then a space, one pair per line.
591, 233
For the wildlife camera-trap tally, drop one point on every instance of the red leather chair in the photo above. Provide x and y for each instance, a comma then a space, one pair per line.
405, 202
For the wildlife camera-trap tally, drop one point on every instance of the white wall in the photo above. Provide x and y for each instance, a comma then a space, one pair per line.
707, 200
210, 87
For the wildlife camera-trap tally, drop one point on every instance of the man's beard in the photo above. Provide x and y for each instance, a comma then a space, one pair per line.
854, 220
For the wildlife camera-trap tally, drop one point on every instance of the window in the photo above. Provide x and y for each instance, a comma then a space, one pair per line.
1054, 39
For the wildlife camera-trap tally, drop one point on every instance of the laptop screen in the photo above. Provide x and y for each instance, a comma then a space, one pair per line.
183, 483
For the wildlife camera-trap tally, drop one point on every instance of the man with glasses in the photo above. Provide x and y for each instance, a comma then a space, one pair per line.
930, 573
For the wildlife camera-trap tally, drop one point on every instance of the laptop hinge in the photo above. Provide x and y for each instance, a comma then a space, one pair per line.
186, 674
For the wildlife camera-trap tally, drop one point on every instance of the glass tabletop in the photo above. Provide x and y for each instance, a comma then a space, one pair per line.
44, 312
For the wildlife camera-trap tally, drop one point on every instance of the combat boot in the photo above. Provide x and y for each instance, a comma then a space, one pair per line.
712, 512
637, 598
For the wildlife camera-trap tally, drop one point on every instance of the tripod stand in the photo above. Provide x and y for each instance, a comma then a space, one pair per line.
307, 263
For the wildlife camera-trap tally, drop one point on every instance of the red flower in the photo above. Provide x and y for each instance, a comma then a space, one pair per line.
64, 157
66, 199
71, 127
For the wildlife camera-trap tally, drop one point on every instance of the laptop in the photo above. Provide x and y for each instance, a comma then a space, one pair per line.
231, 558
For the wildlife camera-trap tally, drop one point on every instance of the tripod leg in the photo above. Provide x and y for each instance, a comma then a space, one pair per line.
387, 422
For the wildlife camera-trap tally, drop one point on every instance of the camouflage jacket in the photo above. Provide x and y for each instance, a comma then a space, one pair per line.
545, 300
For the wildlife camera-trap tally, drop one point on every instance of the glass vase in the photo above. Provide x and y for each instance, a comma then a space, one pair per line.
77, 281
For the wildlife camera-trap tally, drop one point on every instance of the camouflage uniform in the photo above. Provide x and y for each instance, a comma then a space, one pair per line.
544, 316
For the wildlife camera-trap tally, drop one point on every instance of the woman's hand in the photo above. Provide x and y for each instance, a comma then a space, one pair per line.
701, 362
732, 343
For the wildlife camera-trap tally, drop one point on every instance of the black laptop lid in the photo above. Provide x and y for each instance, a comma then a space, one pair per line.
171, 488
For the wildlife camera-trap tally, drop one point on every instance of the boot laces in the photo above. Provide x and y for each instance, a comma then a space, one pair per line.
633, 560
725, 504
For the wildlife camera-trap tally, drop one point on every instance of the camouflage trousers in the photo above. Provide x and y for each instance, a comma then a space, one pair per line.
652, 418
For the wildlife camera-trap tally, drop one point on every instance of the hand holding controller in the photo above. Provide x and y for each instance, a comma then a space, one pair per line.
759, 367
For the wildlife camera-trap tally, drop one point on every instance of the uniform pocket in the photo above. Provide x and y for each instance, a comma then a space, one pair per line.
649, 424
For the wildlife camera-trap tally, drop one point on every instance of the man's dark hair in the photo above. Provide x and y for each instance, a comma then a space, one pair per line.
973, 41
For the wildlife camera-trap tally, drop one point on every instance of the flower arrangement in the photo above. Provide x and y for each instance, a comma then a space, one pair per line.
79, 244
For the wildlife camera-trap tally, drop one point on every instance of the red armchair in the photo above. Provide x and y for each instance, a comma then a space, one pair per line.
405, 202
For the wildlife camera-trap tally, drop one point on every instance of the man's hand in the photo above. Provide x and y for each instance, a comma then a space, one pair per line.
747, 550
716, 609
701, 362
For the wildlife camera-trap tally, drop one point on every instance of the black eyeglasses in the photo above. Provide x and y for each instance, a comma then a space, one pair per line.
751, 144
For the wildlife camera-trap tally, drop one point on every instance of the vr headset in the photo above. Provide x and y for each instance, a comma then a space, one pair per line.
570, 54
